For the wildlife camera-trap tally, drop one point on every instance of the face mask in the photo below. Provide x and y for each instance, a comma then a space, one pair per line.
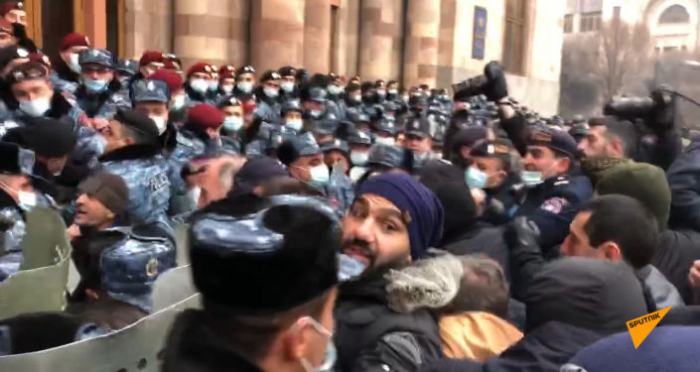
405, 98
381, 93
385, 141
393, 92
227, 89
359, 158
271, 92
27, 200
213, 85
287, 86
530, 178
357, 99
96, 86
35, 108
295, 124
334, 90
178, 103
356, 173
161, 124
199, 85
73, 63
320, 175
476, 179
233, 123
315, 114
330, 355
245, 86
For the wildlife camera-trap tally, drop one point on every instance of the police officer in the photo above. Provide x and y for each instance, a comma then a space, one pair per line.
126, 69
202, 133
100, 93
288, 84
227, 80
233, 121
371, 104
197, 85
152, 97
16, 196
245, 82
292, 116
68, 69
134, 153
302, 155
335, 91
552, 190
384, 130
418, 138
361, 120
178, 96
393, 96
360, 144
150, 62
336, 153
351, 104
314, 99
267, 94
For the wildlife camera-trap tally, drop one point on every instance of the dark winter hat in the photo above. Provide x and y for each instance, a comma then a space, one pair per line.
555, 139
138, 121
270, 75
288, 71
99, 57
417, 127
151, 91
386, 156
74, 40
266, 262
15, 160
46, 137
256, 172
421, 208
127, 66
358, 137
597, 295
291, 105
642, 181
292, 149
108, 188
205, 116
336, 145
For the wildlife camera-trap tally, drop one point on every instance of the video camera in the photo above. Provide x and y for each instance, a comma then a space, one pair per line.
492, 84
658, 108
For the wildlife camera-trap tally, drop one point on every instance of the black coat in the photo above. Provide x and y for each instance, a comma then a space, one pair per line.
483, 239
545, 349
675, 253
368, 334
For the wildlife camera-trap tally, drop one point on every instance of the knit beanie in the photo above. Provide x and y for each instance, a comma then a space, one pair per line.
423, 209
645, 182
109, 189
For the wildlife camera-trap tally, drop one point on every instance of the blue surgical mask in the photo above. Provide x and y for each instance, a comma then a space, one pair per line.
213, 85
295, 124
96, 86
476, 179
245, 86
530, 178
233, 123
320, 175
287, 86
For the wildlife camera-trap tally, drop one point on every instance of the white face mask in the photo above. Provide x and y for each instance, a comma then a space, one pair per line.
228, 89
73, 63
530, 178
331, 354
161, 124
233, 123
287, 86
381, 93
358, 158
356, 173
385, 141
320, 175
245, 86
295, 124
199, 85
213, 85
27, 200
271, 92
393, 92
179, 102
35, 108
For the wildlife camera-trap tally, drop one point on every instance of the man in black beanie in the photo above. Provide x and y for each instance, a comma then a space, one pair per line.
268, 285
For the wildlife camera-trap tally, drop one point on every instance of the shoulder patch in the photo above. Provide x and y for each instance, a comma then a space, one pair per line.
554, 205
182, 140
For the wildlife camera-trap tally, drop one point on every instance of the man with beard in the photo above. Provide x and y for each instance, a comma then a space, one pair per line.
392, 222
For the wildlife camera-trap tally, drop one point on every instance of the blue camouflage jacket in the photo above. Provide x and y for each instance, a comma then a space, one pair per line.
105, 104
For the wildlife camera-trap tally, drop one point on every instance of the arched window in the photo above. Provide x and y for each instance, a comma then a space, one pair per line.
675, 14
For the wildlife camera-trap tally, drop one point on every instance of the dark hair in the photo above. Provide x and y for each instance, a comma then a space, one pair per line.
352, 87
625, 221
252, 336
625, 132
138, 136
483, 288
288, 186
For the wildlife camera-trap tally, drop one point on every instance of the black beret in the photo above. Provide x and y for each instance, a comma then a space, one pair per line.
288, 71
46, 137
15, 160
267, 262
270, 75
138, 121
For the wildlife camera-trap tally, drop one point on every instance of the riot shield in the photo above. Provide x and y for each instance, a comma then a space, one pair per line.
182, 244
172, 287
40, 285
137, 347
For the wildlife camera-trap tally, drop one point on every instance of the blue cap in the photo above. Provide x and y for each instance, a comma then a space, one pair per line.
305, 145
337, 145
317, 94
325, 127
418, 127
151, 91
96, 57
386, 156
358, 117
385, 124
127, 66
291, 105
359, 137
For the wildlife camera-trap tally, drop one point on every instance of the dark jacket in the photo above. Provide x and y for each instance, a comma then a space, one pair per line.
368, 334
544, 349
28, 333
675, 253
684, 179
194, 347
481, 238
105, 104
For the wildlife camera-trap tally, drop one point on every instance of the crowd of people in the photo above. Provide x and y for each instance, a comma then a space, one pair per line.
336, 224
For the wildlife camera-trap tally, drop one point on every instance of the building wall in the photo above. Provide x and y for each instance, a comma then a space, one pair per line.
413, 41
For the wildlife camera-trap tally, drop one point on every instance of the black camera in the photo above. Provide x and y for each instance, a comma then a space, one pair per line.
657, 107
492, 84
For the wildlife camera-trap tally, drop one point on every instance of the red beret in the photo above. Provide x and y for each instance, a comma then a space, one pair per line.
173, 65
40, 58
151, 56
227, 69
73, 40
202, 67
171, 78
206, 116
10, 6
249, 106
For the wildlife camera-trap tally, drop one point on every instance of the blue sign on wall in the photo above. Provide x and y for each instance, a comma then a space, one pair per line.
479, 44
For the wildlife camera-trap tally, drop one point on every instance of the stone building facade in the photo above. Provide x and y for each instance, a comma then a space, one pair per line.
435, 42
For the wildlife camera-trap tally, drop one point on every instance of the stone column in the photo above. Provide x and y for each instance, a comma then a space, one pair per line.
422, 33
201, 31
277, 34
147, 26
238, 33
380, 39
95, 15
317, 36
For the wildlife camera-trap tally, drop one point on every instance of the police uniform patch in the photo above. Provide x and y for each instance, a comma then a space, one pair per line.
554, 205
152, 267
